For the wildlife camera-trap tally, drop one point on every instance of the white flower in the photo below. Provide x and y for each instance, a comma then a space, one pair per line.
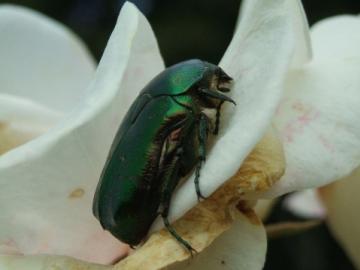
335, 42
47, 184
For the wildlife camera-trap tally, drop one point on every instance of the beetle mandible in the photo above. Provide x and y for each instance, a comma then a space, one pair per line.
161, 139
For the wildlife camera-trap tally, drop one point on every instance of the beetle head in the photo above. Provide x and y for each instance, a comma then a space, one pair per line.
213, 84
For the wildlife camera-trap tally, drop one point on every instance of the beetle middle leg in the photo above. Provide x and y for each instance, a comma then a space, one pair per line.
204, 123
171, 179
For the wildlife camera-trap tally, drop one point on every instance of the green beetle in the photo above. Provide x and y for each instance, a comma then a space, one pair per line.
161, 139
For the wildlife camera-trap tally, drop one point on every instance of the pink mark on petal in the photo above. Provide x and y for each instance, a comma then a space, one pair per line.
44, 240
105, 248
308, 117
42, 247
297, 126
9, 247
298, 106
325, 142
289, 132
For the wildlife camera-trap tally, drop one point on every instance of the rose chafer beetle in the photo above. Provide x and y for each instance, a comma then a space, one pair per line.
161, 139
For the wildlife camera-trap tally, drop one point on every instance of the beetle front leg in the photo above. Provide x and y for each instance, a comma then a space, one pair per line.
217, 119
204, 123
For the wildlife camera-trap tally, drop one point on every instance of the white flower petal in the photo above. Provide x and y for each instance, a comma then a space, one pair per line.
342, 201
45, 262
48, 184
22, 120
318, 118
336, 37
305, 204
243, 246
303, 50
258, 59
42, 60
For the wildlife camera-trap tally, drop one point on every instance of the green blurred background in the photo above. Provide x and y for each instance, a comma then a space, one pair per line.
202, 29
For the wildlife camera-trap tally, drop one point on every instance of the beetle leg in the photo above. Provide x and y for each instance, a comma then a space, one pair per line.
171, 178
178, 237
171, 134
217, 121
202, 136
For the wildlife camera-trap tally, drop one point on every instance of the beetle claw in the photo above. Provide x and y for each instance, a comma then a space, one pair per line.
200, 197
192, 252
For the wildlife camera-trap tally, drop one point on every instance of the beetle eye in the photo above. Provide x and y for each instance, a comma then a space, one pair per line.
224, 82
224, 77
